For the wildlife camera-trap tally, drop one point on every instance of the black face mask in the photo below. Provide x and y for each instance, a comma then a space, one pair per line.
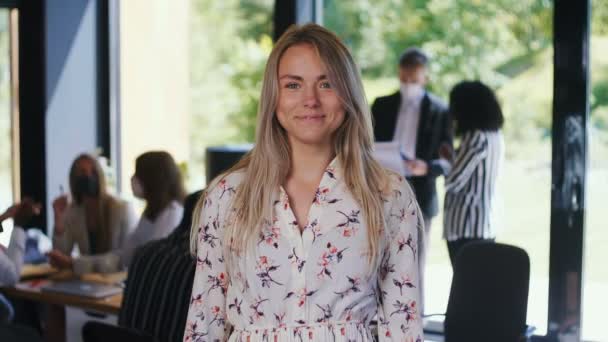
86, 186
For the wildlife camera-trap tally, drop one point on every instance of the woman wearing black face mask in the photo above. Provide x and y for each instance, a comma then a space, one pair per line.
157, 181
95, 221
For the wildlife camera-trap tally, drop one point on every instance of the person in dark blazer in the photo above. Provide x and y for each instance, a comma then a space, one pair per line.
419, 121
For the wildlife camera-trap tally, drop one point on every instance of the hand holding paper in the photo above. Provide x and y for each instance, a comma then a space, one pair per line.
390, 156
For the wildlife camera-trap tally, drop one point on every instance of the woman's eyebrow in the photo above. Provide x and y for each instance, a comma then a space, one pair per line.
300, 78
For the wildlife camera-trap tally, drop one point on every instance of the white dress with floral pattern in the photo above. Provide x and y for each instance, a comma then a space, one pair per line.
312, 285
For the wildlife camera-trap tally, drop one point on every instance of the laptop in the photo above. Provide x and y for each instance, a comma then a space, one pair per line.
83, 289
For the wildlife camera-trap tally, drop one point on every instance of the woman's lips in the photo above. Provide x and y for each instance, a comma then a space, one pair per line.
310, 117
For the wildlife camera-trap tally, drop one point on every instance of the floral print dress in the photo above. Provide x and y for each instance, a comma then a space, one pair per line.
313, 285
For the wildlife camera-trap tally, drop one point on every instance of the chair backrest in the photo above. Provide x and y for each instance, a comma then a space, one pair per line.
489, 295
18, 332
94, 331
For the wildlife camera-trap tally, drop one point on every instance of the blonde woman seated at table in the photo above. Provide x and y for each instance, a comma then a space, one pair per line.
93, 220
158, 181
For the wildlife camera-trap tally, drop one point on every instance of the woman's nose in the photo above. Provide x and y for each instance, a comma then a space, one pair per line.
311, 98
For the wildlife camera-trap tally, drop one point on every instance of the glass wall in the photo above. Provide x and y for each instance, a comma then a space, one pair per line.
7, 137
595, 273
473, 40
190, 78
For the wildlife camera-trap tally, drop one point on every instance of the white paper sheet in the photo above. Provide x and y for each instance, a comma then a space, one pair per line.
389, 155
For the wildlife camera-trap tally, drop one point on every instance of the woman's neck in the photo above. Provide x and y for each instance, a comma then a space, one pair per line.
309, 162
90, 202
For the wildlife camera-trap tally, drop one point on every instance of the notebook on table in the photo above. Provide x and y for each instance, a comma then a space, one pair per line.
83, 289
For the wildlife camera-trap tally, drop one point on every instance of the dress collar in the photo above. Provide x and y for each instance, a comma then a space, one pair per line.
331, 176
332, 173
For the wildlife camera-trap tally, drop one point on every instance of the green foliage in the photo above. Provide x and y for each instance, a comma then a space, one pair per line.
227, 56
599, 13
248, 81
599, 94
505, 43
466, 39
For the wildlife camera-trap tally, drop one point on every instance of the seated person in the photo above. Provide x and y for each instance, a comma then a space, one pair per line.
157, 292
11, 259
158, 181
94, 220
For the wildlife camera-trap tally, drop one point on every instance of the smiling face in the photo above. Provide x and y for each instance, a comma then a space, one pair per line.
308, 108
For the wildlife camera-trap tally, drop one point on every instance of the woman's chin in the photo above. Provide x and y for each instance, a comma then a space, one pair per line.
311, 139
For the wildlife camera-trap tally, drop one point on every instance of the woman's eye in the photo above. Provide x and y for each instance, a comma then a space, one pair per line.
292, 85
325, 85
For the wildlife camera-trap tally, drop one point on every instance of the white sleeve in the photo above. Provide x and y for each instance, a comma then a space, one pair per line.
12, 261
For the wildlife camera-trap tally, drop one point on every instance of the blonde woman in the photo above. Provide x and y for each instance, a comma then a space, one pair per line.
94, 220
307, 237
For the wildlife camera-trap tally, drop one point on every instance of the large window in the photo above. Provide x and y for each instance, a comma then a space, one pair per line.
8, 124
190, 78
595, 273
474, 40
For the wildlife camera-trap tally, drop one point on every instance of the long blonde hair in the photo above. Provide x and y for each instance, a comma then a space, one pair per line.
266, 166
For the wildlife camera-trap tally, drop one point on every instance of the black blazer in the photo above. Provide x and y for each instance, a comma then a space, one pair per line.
434, 129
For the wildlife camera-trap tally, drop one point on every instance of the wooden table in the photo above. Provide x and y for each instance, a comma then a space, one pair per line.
31, 290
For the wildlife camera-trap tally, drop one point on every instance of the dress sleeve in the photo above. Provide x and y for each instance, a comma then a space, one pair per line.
206, 320
11, 261
398, 315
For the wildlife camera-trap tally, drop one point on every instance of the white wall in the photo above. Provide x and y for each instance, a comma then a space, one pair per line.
154, 81
71, 89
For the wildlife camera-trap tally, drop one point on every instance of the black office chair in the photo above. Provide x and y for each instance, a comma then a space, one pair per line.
93, 331
18, 332
489, 295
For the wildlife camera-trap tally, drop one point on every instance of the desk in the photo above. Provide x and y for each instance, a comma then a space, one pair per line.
60, 303
31, 290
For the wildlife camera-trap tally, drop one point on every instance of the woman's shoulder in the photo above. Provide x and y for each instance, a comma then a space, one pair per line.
174, 210
121, 207
175, 206
476, 138
398, 188
493, 134
225, 183
119, 203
